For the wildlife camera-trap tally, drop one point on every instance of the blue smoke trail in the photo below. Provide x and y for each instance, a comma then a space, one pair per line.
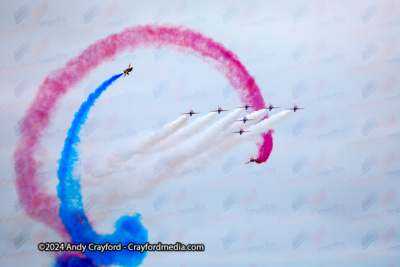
66, 260
128, 228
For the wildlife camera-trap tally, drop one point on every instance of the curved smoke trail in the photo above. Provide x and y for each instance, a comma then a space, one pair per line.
128, 228
42, 206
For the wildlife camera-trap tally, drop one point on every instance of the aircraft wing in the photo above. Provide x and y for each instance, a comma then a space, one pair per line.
247, 162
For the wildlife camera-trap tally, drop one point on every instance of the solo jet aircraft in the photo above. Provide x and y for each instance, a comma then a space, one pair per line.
271, 107
219, 110
129, 69
245, 119
241, 131
246, 106
191, 112
295, 108
251, 160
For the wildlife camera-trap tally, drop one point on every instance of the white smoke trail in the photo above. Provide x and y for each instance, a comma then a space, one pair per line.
255, 131
205, 140
268, 124
140, 145
253, 118
117, 158
192, 154
186, 132
233, 140
165, 162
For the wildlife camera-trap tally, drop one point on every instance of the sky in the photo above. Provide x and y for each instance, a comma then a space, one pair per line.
327, 196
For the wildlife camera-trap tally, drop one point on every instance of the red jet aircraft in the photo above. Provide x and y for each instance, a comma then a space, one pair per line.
129, 69
246, 119
241, 131
295, 108
191, 112
219, 110
271, 107
246, 106
252, 160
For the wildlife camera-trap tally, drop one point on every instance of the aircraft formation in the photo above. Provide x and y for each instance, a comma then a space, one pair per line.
241, 131
219, 110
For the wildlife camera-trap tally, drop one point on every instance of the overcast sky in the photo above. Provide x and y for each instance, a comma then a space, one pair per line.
328, 195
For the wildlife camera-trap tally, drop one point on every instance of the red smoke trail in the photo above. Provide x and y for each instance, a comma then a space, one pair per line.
44, 207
